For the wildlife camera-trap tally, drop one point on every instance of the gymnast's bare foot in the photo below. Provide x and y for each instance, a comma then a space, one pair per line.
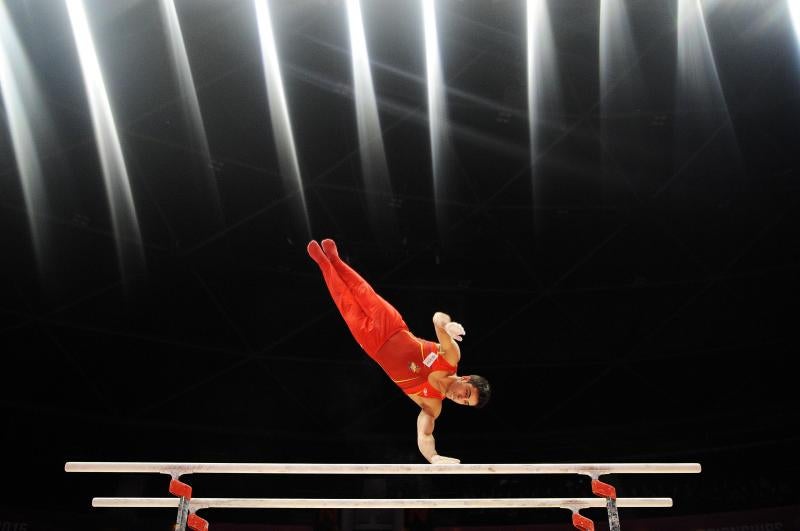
329, 247
316, 253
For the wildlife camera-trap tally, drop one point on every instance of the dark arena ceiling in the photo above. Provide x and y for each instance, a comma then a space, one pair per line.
624, 259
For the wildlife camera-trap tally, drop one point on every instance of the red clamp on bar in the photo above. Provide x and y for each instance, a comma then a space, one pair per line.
603, 489
180, 489
581, 522
197, 523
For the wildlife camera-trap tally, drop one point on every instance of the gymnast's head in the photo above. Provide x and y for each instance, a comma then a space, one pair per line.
472, 390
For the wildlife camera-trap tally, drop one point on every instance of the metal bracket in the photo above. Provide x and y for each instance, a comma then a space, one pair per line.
184, 492
604, 490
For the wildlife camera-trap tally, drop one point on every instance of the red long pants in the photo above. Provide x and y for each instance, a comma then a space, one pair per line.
371, 319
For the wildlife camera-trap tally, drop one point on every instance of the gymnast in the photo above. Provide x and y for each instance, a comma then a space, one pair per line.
424, 370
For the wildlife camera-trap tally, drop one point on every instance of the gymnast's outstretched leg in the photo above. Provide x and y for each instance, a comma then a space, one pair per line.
353, 280
387, 319
372, 303
370, 318
355, 317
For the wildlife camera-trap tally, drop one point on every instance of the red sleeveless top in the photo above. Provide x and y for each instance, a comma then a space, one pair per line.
409, 360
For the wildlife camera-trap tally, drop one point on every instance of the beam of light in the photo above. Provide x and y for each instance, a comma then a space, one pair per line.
698, 80
621, 91
186, 86
541, 71
279, 113
763, 17
437, 116
115, 174
374, 168
617, 56
704, 135
794, 13
23, 102
543, 87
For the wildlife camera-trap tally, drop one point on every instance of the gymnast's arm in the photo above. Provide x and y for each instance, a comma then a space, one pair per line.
426, 442
448, 332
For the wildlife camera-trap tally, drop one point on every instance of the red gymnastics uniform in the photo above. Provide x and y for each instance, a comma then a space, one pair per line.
379, 328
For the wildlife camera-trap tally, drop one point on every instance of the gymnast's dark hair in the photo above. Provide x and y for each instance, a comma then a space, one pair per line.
483, 387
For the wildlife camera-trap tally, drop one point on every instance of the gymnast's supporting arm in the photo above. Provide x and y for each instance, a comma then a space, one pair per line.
426, 442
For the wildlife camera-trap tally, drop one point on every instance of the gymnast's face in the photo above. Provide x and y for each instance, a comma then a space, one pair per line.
462, 392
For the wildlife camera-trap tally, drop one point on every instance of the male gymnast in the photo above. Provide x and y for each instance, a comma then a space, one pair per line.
424, 370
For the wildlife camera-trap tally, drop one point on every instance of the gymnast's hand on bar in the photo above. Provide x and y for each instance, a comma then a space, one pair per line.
442, 460
455, 330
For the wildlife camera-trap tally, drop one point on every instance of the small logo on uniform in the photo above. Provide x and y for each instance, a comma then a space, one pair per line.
425, 391
414, 367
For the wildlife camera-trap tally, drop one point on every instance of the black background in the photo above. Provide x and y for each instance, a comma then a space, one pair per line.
631, 296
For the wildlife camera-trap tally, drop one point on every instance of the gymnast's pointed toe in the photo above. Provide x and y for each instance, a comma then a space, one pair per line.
315, 252
329, 246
